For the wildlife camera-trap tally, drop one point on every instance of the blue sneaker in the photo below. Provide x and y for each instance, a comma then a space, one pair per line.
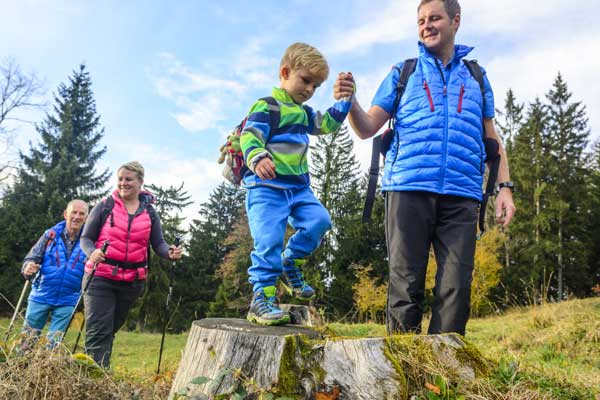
293, 280
264, 310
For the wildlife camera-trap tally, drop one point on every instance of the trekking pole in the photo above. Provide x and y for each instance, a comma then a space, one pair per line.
31, 278
162, 340
85, 288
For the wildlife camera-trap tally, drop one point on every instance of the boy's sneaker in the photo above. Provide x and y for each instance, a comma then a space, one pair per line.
293, 279
264, 310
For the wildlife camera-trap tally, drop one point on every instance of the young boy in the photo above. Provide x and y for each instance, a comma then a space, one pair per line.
278, 181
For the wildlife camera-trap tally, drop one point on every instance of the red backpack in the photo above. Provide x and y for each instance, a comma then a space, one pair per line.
231, 152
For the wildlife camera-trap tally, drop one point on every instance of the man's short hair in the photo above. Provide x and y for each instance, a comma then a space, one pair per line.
134, 166
451, 6
304, 56
70, 204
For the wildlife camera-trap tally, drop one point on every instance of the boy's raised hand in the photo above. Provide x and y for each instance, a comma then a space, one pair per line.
265, 169
344, 85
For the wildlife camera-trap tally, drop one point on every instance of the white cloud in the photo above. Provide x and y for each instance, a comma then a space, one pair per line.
390, 24
203, 99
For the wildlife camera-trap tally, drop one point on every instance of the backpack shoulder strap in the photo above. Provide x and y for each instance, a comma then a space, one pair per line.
107, 206
50, 235
491, 149
477, 74
408, 67
274, 113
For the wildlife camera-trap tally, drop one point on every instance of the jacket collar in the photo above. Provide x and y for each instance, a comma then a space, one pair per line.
460, 51
281, 95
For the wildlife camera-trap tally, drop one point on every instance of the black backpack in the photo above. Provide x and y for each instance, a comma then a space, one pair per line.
381, 143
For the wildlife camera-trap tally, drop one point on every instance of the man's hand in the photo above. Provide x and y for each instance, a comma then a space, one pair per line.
505, 208
265, 169
343, 86
97, 256
30, 269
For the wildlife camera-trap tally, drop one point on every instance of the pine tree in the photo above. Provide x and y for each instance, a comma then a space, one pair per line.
530, 171
197, 281
593, 222
509, 123
335, 179
60, 168
569, 136
148, 313
65, 160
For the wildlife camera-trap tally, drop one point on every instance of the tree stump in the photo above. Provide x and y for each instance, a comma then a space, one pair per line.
302, 315
227, 356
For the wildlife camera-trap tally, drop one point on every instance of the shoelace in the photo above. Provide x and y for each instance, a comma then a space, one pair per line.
267, 305
297, 278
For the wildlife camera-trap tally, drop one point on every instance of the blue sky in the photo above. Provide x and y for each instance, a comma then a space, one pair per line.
172, 78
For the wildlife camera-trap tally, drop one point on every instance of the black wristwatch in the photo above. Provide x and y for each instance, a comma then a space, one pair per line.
507, 184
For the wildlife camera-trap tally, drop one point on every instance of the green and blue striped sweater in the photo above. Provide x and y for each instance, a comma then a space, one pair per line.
288, 146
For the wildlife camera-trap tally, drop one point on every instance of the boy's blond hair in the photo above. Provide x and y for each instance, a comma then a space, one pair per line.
304, 56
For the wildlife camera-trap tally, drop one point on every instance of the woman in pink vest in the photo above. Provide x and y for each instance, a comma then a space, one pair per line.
127, 220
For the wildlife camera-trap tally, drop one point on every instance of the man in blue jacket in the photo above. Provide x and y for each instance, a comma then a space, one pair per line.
433, 172
60, 262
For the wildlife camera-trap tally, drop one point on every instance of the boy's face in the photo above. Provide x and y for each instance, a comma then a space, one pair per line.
300, 84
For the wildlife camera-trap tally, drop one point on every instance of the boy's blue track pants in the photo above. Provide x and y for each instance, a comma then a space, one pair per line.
269, 211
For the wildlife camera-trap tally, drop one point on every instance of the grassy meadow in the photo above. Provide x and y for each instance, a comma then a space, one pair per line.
554, 348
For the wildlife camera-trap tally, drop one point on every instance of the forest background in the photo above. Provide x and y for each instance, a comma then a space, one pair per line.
549, 253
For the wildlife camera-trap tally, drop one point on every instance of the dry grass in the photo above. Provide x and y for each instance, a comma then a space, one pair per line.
56, 375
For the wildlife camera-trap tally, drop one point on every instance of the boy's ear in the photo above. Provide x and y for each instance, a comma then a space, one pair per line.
284, 72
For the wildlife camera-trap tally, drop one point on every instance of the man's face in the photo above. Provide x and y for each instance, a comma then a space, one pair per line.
436, 28
75, 216
299, 84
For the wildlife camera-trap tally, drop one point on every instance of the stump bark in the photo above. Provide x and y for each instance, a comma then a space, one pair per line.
227, 356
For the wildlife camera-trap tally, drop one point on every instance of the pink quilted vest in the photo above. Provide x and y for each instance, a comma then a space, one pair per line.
128, 243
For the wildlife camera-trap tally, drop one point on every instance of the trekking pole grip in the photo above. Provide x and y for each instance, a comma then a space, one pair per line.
177, 240
105, 246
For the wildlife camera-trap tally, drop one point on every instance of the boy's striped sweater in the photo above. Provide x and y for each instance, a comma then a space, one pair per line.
288, 146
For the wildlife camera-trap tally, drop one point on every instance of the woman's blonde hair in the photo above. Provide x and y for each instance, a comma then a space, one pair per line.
134, 166
304, 56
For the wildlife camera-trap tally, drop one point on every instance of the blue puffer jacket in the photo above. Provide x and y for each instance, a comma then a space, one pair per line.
438, 143
59, 283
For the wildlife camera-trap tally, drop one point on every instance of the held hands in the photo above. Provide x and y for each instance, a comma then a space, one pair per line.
344, 86
175, 252
97, 256
505, 208
265, 169
30, 269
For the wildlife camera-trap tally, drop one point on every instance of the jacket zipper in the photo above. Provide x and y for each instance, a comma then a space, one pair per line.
445, 146
131, 217
460, 98
426, 87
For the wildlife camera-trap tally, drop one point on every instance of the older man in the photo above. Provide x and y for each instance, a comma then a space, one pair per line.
433, 171
60, 262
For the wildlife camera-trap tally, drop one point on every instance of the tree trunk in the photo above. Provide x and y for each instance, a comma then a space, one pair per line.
227, 356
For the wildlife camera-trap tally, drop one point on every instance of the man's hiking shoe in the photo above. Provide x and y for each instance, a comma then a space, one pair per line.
264, 310
293, 280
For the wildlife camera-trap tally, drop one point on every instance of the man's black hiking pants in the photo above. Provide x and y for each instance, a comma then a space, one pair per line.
415, 221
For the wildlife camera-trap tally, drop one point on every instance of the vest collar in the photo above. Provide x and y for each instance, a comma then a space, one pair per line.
460, 51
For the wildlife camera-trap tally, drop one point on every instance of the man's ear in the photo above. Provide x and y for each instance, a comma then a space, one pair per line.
284, 72
456, 22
